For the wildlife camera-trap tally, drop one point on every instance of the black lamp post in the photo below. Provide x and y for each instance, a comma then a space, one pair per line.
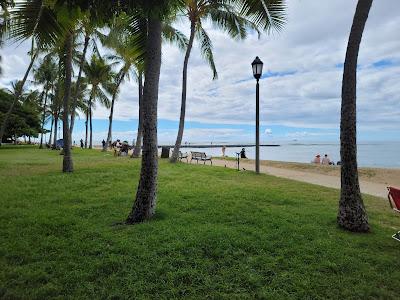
257, 65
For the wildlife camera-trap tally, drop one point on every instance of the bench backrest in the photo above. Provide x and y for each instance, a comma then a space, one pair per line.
198, 154
395, 195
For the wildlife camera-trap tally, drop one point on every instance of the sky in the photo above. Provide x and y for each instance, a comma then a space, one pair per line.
300, 91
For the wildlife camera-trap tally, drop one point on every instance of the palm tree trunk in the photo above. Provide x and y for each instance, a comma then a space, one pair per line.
43, 117
51, 129
67, 161
110, 118
55, 130
78, 82
352, 214
86, 125
89, 107
139, 137
146, 195
178, 142
18, 93
91, 127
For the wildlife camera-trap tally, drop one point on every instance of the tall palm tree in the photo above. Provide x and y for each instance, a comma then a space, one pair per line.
46, 75
126, 55
88, 28
100, 76
145, 202
224, 15
352, 214
139, 136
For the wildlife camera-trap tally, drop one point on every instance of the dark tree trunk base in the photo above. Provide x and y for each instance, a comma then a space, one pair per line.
353, 218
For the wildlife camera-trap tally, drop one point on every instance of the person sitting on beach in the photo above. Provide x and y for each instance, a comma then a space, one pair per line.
317, 159
326, 160
223, 150
243, 153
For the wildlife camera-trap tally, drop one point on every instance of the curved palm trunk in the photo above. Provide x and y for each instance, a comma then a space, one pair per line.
67, 161
352, 214
178, 142
146, 195
43, 117
139, 137
110, 118
18, 93
78, 82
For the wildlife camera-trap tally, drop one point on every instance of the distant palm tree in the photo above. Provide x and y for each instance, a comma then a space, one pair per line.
226, 16
88, 28
100, 76
352, 214
125, 55
46, 75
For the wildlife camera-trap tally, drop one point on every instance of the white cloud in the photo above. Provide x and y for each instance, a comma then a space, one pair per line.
308, 51
268, 131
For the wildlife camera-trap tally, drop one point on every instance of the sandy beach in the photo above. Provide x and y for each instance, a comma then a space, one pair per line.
373, 181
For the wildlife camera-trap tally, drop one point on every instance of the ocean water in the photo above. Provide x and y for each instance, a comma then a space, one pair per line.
378, 154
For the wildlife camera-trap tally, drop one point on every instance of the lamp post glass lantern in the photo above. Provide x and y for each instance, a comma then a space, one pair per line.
257, 66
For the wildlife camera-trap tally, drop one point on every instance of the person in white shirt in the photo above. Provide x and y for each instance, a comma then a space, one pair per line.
326, 160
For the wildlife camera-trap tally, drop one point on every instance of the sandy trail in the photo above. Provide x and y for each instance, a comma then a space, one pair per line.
367, 187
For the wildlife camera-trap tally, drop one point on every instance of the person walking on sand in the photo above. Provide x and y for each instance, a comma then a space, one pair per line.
317, 159
223, 150
243, 153
326, 160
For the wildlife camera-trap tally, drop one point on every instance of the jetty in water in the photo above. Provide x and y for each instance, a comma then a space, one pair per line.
219, 145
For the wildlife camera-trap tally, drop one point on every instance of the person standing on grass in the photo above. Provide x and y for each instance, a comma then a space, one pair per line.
104, 144
81, 144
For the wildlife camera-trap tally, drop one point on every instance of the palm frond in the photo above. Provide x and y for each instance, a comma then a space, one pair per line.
266, 14
174, 36
206, 48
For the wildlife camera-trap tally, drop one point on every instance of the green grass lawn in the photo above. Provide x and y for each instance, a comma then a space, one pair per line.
218, 234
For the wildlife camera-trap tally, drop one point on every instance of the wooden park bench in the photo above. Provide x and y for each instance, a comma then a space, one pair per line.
200, 156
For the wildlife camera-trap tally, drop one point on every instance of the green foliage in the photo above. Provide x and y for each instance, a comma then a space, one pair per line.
217, 234
25, 118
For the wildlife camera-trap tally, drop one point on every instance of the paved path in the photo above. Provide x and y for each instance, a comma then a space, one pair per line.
371, 188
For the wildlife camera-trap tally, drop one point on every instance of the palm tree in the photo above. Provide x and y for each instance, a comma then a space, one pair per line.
352, 214
223, 15
145, 202
139, 136
126, 55
46, 75
88, 28
100, 76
